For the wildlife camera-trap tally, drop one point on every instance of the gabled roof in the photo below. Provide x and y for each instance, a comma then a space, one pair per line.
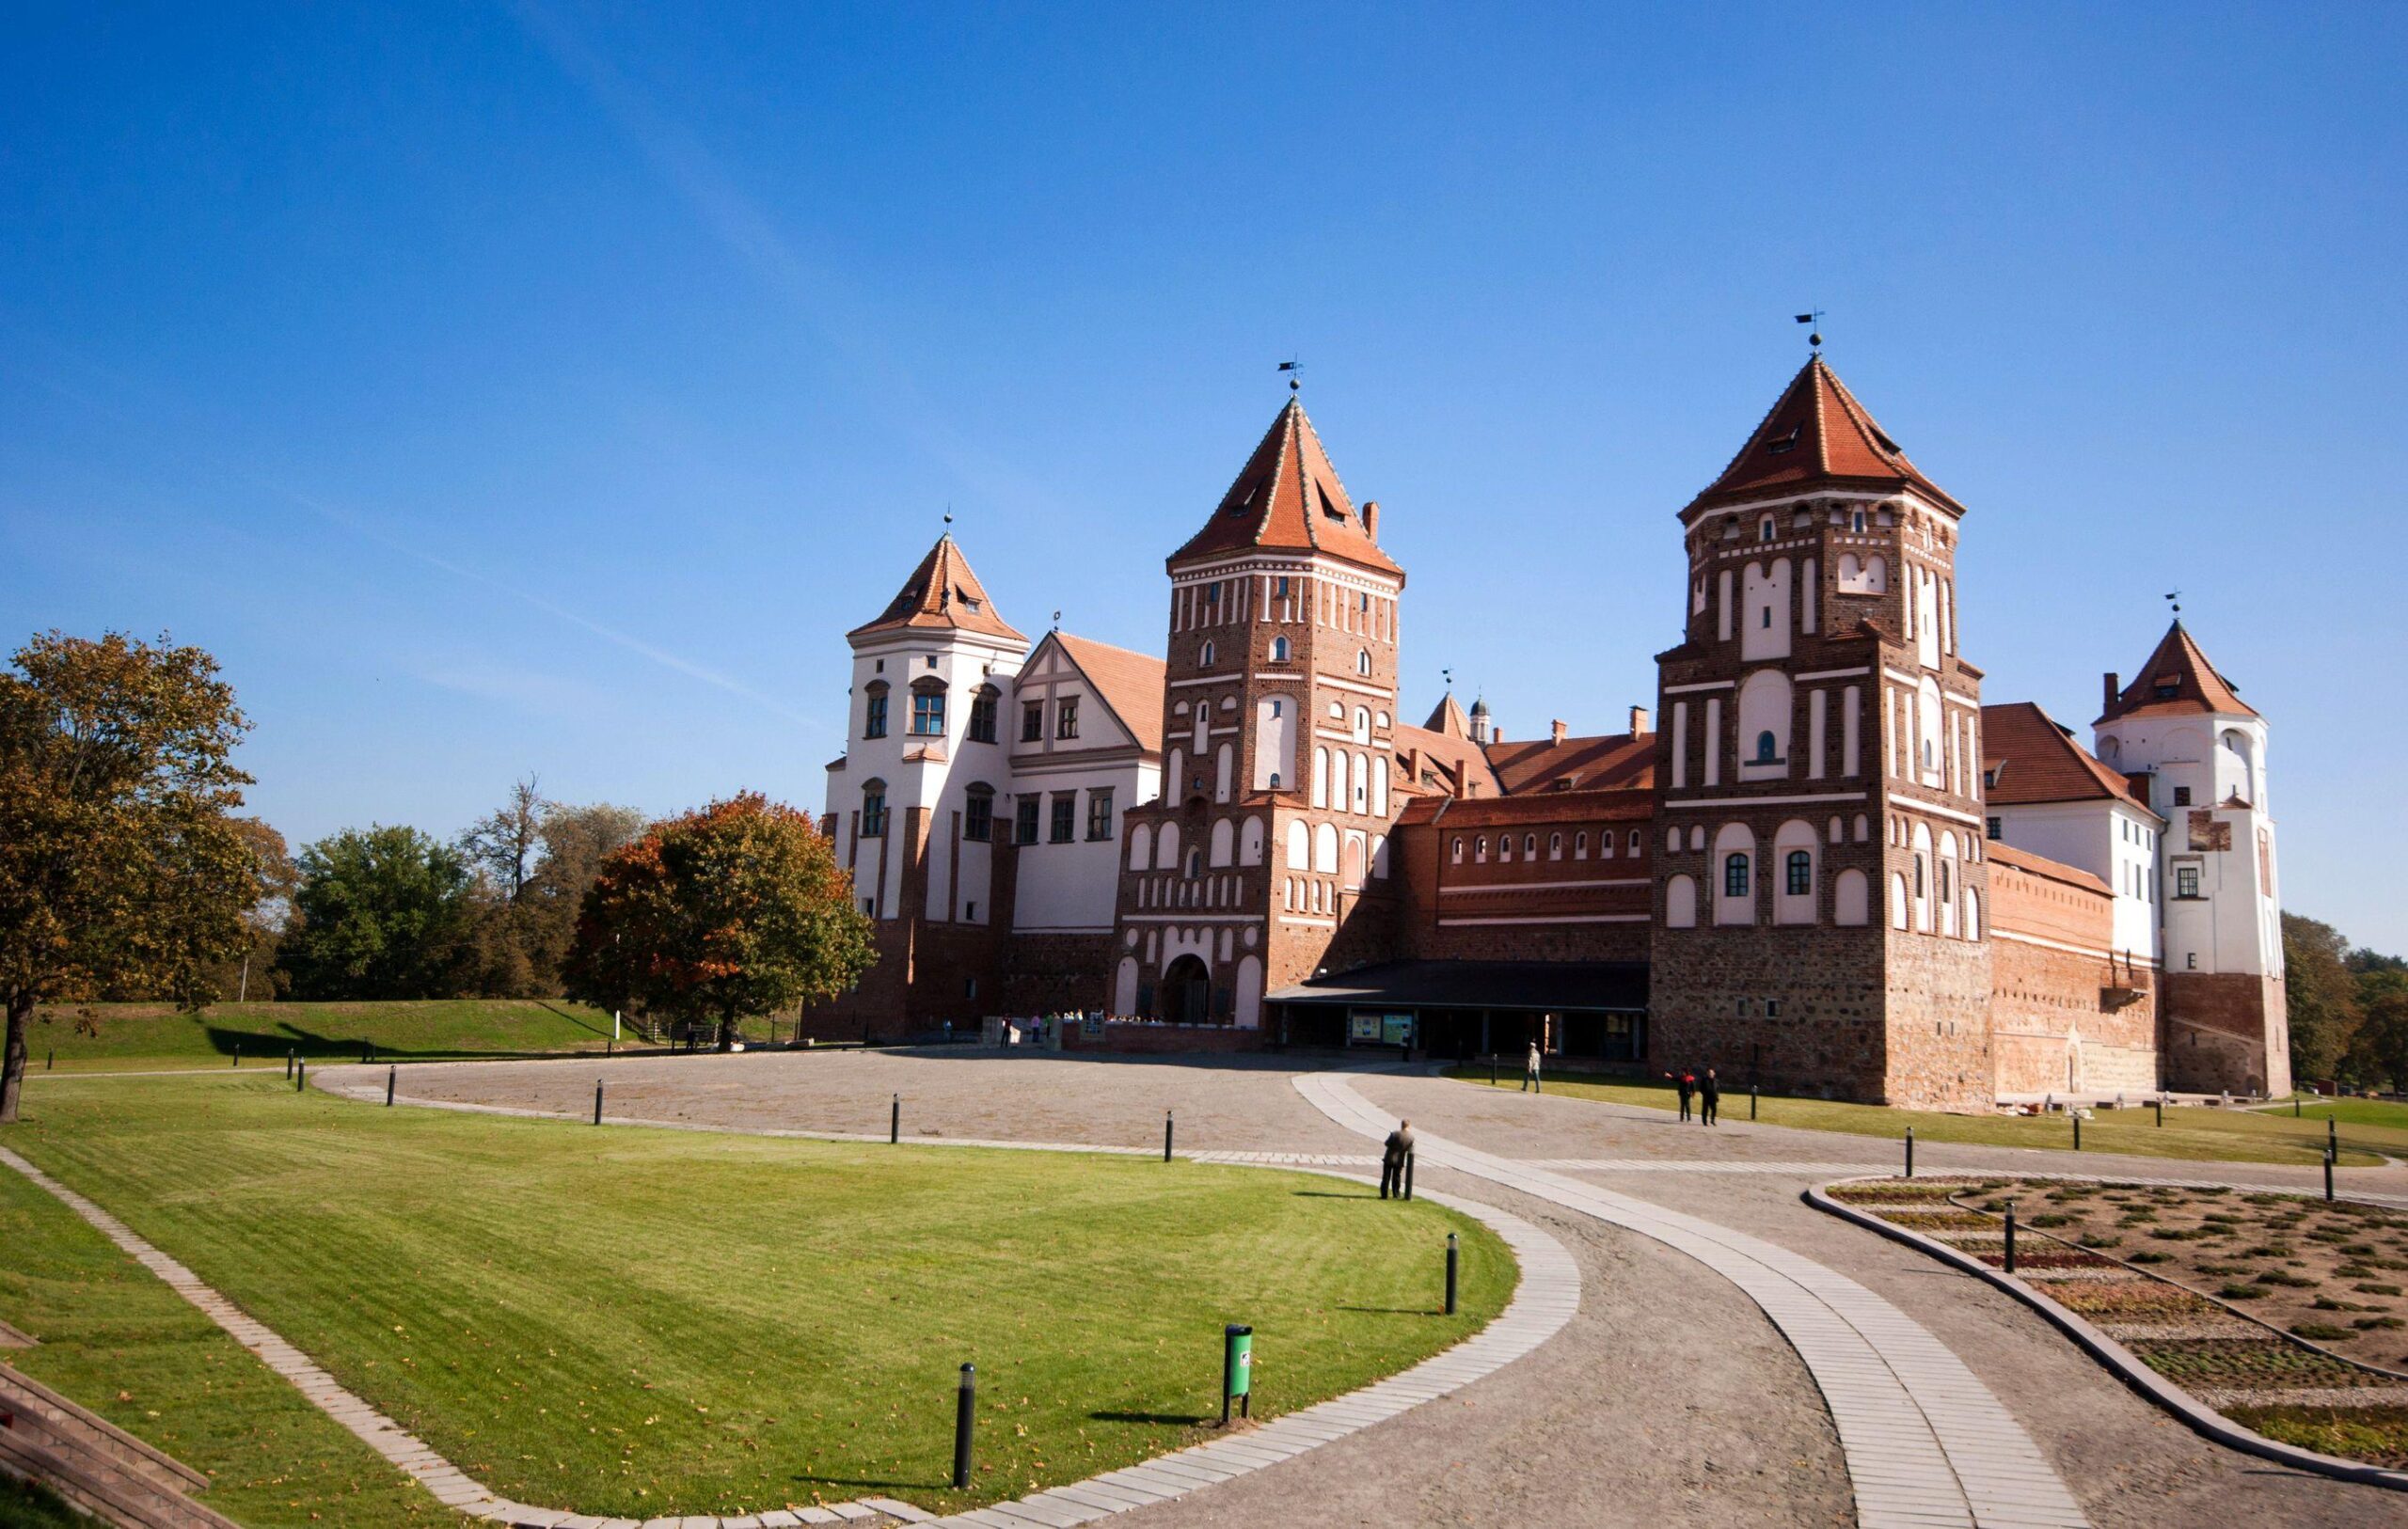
1288, 497
1447, 718
1130, 683
941, 593
1457, 755
1599, 763
1816, 435
2177, 678
2002, 853
2030, 758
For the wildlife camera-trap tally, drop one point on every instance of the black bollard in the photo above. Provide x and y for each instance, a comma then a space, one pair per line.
2010, 1236
300, 1077
1408, 1174
2295, 1108
609, 1047
2077, 1129
1751, 1101
1453, 1254
51, 1061
597, 1102
238, 1053
366, 1053
965, 1415
1492, 1069
2161, 1111
1165, 1136
895, 1124
291, 1052
2328, 1177
391, 1075
1910, 1152
2332, 1135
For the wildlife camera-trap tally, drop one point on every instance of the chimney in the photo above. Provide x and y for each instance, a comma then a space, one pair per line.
1371, 519
1639, 723
2114, 690
1562, 731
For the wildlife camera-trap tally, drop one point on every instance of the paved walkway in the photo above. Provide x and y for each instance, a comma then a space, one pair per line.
1926, 1443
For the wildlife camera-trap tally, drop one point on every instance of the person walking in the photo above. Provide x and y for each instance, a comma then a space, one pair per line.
1687, 1084
1709, 1098
1530, 1071
1392, 1156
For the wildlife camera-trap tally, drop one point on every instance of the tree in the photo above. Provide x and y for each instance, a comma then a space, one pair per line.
738, 908
121, 867
505, 842
576, 841
383, 913
252, 969
2322, 1004
2380, 1048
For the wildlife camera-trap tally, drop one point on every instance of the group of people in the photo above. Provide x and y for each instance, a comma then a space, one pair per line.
1706, 1090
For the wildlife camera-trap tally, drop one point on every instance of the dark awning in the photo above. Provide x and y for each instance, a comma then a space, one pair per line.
1615, 986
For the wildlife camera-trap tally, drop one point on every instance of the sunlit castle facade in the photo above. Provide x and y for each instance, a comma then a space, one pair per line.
1827, 864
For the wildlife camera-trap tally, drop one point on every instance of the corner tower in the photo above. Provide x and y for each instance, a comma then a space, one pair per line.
1820, 894
1266, 858
2181, 731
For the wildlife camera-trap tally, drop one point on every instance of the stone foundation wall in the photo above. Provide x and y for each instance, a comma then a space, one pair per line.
1155, 1040
2226, 1033
1939, 1023
1056, 973
1708, 1008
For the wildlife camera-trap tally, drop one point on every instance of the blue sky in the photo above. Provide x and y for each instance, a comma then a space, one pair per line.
499, 389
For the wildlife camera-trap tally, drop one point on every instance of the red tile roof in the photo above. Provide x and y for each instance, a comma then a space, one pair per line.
1130, 683
1447, 718
2023, 859
1458, 756
1612, 806
1618, 760
941, 593
1817, 435
1288, 497
2029, 757
2177, 678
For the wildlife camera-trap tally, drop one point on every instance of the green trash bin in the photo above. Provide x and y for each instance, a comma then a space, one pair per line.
1237, 1370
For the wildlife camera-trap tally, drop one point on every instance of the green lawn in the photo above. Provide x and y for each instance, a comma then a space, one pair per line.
122, 1343
152, 1036
2197, 1134
634, 1322
2348, 1111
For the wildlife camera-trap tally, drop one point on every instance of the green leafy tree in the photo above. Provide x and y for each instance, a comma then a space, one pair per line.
2323, 1005
379, 914
2379, 1051
122, 869
737, 909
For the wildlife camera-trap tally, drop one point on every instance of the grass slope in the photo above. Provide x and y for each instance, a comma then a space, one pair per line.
124, 1345
2348, 1111
151, 1036
637, 1322
2194, 1134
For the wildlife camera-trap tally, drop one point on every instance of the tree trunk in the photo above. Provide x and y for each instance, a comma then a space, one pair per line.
727, 1030
12, 1062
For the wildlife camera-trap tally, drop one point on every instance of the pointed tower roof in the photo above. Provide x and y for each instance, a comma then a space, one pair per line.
2177, 678
1288, 497
941, 594
1447, 720
1816, 434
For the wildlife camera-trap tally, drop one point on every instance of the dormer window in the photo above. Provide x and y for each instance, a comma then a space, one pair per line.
1328, 505
1778, 444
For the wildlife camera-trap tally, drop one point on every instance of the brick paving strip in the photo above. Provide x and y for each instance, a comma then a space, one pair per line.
1926, 1443
1546, 1298
2219, 1321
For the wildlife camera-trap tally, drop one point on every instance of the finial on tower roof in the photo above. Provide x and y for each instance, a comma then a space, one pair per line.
1295, 370
1814, 335
2174, 600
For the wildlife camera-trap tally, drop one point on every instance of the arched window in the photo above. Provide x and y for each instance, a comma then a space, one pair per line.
1555, 846
1195, 863
1504, 846
1799, 869
1764, 529
873, 809
1673, 842
1767, 748
1480, 848
927, 709
1680, 903
1530, 846
1363, 662
1279, 650
978, 812
1848, 898
1204, 660
1141, 848
873, 710
1734, 875
1458, 850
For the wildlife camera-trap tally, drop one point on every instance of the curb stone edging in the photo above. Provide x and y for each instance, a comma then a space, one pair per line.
2212, 1425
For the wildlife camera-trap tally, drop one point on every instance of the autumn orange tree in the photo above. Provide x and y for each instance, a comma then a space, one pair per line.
739, 909
122, 868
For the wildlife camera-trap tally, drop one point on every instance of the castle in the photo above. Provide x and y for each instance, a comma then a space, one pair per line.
1832, 869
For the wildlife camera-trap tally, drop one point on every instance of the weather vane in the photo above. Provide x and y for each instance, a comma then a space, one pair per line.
948, 512
1447, 675
1295, 370
1814, 335
2174, 600
1057, 620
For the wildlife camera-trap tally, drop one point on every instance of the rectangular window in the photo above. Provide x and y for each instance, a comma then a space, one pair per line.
927, 714
978, 817
2181, 796
1279, 586
2186, 881
982, 717
1065, 809
1100, 813
873, 814
1032, 721
1066, 717
1992, 828
1024, 821
873, 715
1800, 871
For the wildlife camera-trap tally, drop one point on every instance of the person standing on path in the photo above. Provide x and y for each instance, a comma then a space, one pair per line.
1530, 1071
1709, 1098
1392, 1156
1687, 1084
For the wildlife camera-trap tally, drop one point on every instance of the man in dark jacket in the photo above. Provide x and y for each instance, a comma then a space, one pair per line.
1392, 1156
1687, 1084
1709, 1098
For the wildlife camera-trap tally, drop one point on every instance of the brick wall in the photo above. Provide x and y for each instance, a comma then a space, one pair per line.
1052, 973
2067, 1013
2217, 1029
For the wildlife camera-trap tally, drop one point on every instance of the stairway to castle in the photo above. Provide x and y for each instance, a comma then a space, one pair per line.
94, 1464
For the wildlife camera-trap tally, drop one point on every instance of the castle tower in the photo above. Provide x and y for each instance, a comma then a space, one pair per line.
1266, 858
1820, 894
918, 804
2181, 731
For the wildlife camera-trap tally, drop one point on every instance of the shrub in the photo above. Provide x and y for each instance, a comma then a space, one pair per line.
2321, 1332
2368, 1324
2240, 1292
2145, 1256
2378, 1289
2283, 1277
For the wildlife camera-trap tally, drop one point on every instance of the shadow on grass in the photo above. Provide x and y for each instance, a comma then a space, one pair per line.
924, 1483
270, 1047
1393, 1310
1167, 1420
